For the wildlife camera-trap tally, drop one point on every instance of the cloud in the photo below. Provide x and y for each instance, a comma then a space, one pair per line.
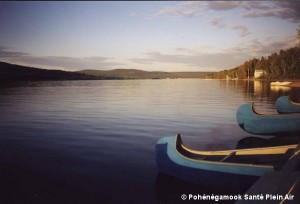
201, 61
257, 48
286, 10
186, 9
57, 62
222, 5
225, 59
192, 51
217, 21
243, 30
4, 53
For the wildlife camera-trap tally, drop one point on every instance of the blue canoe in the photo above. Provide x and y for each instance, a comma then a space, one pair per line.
266, 124
175, 159
284, 104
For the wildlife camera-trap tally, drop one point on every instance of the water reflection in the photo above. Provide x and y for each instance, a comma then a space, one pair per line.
100, 135
264, 95
258, 88
283, 89
253, 142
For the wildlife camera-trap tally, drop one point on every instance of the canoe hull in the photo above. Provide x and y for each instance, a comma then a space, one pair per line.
260, 124
285, 105
170, 162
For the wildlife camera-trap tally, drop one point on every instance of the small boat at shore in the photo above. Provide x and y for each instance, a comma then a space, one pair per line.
284, 104
278, 83
254, 122
175, 159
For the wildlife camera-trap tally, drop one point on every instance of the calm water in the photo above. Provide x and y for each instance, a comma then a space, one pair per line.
93, 141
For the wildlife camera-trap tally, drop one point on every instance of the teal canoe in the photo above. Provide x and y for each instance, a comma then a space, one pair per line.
266, 124
284, 104
175, 159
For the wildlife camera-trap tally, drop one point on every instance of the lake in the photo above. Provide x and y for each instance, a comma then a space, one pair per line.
93, 141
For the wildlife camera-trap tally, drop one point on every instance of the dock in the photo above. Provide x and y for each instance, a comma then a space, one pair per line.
281, 187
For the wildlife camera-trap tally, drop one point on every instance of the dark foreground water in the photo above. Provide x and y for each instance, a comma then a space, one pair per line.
93, 141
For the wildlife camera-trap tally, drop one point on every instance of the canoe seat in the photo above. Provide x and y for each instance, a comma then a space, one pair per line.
227, 156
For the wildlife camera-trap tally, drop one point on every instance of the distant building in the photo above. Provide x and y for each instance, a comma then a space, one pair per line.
258, 73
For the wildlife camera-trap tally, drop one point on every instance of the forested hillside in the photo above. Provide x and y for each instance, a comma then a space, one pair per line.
12, 72
140, 74
282, 65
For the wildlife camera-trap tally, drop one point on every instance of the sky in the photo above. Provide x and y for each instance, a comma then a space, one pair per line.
147, 35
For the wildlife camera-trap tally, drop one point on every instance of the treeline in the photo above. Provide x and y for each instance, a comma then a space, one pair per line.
285, 65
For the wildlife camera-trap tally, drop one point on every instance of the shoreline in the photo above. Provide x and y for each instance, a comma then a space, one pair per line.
295, 82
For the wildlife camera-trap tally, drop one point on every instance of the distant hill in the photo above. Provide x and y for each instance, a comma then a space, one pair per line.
140, 74
11, 72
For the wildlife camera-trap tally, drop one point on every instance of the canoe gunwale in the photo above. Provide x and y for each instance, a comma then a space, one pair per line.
255, 112
247, 151
180, 151
292, 102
